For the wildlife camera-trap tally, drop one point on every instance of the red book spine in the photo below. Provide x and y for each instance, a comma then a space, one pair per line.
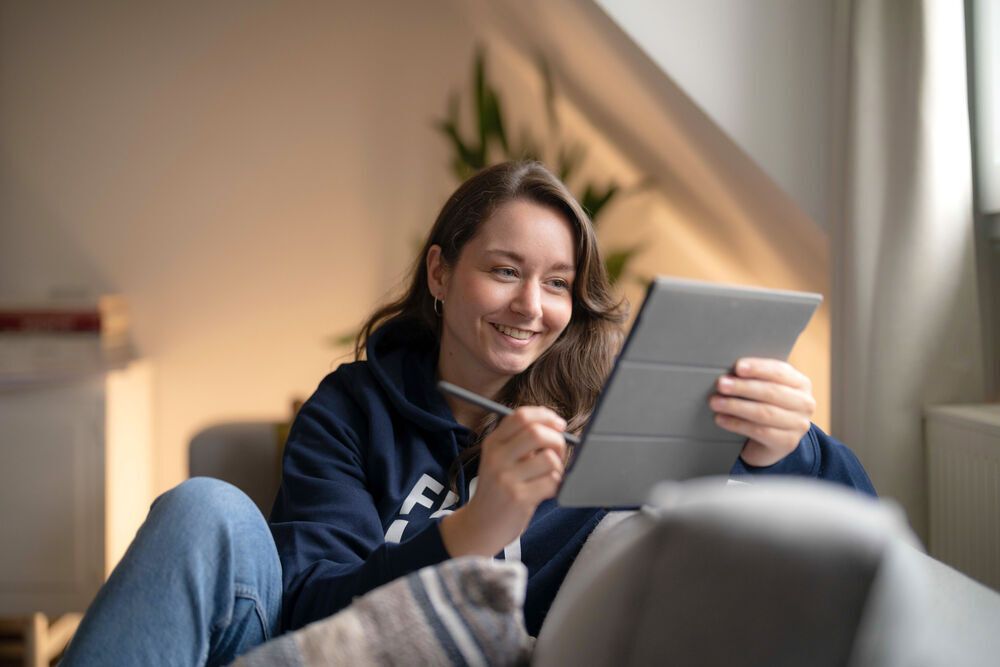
40, 321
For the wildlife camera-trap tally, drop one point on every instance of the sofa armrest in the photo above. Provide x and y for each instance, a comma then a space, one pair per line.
781, 572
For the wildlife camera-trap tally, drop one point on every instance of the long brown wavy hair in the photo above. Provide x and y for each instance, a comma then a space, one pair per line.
569, 375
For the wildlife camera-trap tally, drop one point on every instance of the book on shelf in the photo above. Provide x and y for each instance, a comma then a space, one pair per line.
107, 315
59, 338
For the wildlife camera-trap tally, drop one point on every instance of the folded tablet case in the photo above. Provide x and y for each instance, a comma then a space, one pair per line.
652, 421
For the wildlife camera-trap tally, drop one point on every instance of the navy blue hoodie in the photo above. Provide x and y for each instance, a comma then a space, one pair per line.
365, 482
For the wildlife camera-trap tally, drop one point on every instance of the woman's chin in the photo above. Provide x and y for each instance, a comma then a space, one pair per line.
511, 367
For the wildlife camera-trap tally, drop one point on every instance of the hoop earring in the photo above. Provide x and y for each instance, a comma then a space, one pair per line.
437, 306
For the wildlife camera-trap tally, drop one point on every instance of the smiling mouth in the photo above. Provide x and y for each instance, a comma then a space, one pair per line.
519, 334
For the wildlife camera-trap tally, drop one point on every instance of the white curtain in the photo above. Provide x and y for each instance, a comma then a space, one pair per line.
906, 330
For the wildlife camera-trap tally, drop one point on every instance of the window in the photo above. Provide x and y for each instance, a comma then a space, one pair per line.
984, 53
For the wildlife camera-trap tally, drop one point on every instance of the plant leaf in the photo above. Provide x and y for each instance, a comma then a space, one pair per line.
549, 89
616, 261
466, 160
344, 338
569, 158
463, 154
493, 119
594, 198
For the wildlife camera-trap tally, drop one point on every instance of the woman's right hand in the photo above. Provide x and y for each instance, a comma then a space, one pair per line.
521, 464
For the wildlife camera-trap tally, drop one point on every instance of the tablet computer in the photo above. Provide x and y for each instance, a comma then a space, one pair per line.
652, 421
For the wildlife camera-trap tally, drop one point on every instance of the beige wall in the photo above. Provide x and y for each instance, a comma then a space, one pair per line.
252, 176
249, 174
762, 70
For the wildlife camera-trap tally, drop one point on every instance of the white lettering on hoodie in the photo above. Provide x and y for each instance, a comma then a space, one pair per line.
418, 496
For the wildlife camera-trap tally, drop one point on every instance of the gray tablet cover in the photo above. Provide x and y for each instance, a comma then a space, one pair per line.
652, 421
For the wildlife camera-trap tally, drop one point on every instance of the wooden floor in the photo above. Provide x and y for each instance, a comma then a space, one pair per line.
35, 641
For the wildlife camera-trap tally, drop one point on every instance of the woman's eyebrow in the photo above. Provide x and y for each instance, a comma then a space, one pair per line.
519, 259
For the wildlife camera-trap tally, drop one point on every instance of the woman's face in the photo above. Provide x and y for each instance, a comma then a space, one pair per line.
507, 298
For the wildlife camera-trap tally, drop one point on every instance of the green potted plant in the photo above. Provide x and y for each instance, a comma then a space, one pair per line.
490, 142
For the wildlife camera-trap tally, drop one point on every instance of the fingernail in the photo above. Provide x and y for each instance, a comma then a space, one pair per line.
725, 383
742, 366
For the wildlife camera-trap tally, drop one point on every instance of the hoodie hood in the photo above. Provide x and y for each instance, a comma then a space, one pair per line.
403, 356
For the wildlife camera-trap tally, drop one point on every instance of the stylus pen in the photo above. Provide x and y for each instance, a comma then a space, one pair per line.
487, 404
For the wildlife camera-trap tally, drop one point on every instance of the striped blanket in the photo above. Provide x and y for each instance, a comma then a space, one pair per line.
465, 611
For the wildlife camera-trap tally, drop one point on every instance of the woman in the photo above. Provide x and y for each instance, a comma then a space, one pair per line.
383, 475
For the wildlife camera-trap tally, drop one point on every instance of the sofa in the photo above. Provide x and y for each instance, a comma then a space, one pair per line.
780, 572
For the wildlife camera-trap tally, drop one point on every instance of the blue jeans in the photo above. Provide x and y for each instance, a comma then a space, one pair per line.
200, 584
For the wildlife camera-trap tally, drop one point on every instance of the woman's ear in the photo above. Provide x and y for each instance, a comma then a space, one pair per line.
437, 275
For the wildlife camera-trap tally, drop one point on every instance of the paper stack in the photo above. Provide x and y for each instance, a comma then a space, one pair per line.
62, 338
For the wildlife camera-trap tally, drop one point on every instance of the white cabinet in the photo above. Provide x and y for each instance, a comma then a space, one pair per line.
75, 481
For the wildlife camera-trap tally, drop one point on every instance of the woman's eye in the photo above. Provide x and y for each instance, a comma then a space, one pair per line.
505, 272
559, 283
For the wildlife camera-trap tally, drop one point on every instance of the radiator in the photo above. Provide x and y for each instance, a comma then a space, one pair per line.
963, 474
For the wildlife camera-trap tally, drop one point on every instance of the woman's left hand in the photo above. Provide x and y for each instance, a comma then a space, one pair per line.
769, 402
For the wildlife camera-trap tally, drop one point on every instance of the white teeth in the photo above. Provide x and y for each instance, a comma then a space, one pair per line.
520, 334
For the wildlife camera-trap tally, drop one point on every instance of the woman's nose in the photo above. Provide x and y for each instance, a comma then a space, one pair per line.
528, 300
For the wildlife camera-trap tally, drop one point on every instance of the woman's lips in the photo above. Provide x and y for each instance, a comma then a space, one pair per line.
514, 332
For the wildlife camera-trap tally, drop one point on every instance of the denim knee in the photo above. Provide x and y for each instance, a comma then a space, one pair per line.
207, 497
200, 581
212, 520
216, 528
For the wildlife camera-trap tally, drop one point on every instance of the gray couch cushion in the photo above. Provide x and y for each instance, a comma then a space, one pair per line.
782, 572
